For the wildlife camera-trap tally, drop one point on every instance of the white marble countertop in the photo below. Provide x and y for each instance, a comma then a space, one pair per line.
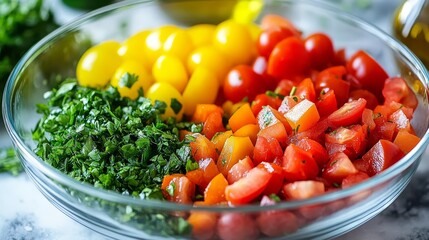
26, 214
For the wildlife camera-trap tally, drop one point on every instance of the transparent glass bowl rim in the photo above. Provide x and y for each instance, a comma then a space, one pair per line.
39, 164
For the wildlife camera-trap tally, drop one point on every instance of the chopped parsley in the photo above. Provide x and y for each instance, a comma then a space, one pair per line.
9, 162
115, 143
128, 80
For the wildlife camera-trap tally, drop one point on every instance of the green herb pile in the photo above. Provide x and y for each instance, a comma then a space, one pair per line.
95, 136
22, 24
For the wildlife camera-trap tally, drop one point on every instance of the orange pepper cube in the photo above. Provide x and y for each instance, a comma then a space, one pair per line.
303, 116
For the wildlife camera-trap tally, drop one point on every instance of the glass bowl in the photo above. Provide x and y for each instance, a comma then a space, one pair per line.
120, 216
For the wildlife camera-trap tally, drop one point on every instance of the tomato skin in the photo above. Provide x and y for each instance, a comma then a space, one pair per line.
242, 82
396, 90
299, 164
321, 50
351, 141
269, 38
368, 72
350, 113
237, 226
276, 182
289, 59
249, 187
381, 156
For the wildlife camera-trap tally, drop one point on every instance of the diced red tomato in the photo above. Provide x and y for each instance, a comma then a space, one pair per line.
351, 141
371, 99
288, 103
276, 182
318, 152
383, 130
350, 113
276, 131
400, 120
316, 133
396, 89
284, 87
249, 187
353, 179
177, 188
327, 103
299, 164
305, 90
213, 124
240, 169
262, 100
299, 190
209, 168
381, 156
338, 168
368, 118
267, 149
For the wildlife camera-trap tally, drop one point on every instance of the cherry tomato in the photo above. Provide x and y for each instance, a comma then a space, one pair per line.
368, 72
169, 69
262, 100
133, 49
269, 38
242, 82
327, 103
165, 92
274, 21
318, 152
201, 34
321, 50
332, 78
305, 90
289, 59
348, 114
179, 44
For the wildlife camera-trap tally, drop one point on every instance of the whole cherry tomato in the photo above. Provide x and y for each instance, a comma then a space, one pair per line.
269, 38
321, 50
242, 82
368, 72
289, 59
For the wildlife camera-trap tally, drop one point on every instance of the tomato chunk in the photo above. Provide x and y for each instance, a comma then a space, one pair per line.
350, 113
381, 156
299, 164
249, 187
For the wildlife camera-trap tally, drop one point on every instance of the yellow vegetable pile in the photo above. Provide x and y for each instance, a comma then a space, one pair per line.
169, 62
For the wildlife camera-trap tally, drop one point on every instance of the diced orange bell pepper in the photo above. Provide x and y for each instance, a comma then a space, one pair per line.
202, 111
241, 117
219, 139
235, 148
303, 116
215, 191
406, 141
249, 130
